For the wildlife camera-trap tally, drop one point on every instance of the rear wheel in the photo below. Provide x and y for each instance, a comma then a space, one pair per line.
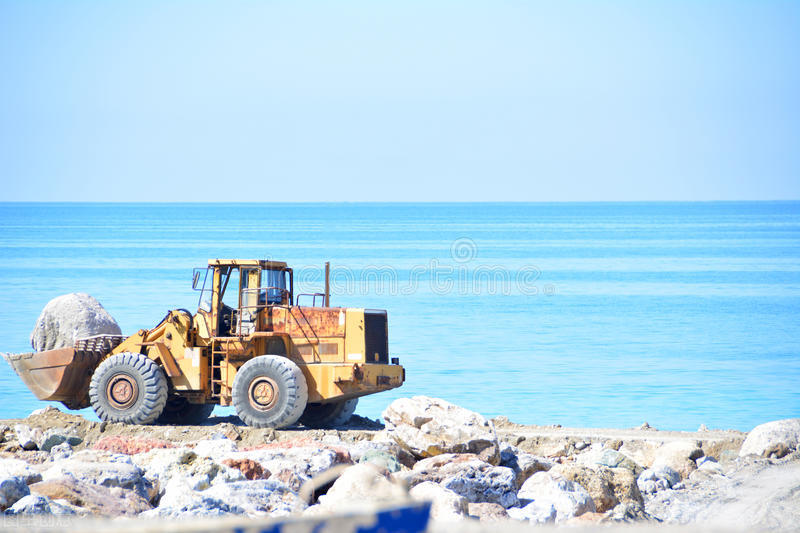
129, 388
269, 391
181, 411
327, 415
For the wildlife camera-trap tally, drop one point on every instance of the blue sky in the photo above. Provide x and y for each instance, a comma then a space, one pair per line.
399, 101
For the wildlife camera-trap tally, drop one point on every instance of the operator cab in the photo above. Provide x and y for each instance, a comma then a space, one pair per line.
233, 293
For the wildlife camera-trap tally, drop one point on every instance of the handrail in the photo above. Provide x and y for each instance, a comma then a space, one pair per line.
313, 295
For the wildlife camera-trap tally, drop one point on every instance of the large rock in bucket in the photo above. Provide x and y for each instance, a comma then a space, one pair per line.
69, 317
430, 426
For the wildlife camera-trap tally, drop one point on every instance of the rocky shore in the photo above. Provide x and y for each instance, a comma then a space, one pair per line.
478, 472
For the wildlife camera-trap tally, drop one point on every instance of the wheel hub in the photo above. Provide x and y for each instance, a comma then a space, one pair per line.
122, 391
263, 393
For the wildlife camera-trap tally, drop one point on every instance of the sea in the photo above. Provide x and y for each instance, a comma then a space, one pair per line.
578, 314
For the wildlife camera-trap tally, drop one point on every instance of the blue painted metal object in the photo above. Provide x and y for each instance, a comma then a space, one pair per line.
410, 518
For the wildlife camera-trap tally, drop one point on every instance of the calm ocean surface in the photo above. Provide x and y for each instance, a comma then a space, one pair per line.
600, 314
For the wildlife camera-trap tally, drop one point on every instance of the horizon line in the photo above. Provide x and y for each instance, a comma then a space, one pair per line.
395, 202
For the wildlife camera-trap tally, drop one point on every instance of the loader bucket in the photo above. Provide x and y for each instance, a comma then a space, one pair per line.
63, 374
52, 375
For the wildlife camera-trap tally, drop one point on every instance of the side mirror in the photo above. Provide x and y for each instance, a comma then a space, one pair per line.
195, 278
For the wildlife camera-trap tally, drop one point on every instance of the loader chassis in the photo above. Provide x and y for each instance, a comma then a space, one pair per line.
247, 311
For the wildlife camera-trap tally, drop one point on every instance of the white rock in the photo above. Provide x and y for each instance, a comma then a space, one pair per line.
101, 469
465, 474
712, 467
679, 456
647, 486
36, 504
769, 438
61, 451
480, 482
568, 498
69, 317
359, 484
535, 513
180, 500
657, 478
27, 437
257, 498
17, 467
160, 463
431, 426
299, 463
183, 464
446, 504
217, 449
523, 464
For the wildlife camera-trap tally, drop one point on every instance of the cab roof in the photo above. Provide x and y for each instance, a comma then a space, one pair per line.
263, 263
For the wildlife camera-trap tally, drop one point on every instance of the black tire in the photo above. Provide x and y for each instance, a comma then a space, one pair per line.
180, 411
129, 388
269, 391
328, 415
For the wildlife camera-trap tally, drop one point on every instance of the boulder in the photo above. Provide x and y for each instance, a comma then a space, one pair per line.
61, 451
480, 482
487, 512
567, 497
250, 469
382, 459
69, 317
708, 464
18, 468
55, 436
99, 468
36, 504
595, 482
430, 426
679, 456
440, 466
467, 475
614, 459
776, 439
215, 448
197, 473
359, 484
96, 499
180, 500
523, 464
446, 504
160, 463
629, 513
12, 489
27, 437
294, 465
659, 478
258, 498
535, 512
623, 483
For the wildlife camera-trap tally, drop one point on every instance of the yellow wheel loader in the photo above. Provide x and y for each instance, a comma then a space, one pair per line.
250, 344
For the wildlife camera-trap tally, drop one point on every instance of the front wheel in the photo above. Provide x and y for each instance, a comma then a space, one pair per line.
328, 415
269, 391
128, 387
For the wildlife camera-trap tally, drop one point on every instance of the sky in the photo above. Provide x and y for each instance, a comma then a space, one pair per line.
399, 101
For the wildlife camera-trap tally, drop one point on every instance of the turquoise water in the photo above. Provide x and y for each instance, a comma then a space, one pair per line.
600, 314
